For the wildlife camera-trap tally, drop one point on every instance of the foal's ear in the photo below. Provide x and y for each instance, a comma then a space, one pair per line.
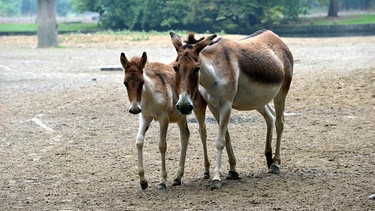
200, 45
124, 61
176, 40
143, 60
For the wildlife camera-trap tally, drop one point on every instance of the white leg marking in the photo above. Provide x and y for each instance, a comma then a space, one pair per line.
224, 114
143, 125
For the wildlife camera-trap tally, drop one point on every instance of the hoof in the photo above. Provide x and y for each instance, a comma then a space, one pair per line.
162, 186
176, 182
215, 184
274, 169
144, 185
206, 175
232, 175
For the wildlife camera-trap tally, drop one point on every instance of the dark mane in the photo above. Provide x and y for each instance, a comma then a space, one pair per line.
257, 33
216, 41
187, 45
191, 39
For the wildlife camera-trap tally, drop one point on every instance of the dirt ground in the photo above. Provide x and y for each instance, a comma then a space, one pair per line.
67, 141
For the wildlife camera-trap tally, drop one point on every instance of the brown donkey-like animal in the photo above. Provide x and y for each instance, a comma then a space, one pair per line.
245, 75
152, 93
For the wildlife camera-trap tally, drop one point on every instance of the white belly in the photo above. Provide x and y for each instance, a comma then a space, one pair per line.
249, 97
254, 95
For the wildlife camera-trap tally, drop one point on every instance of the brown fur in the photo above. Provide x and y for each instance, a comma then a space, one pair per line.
153, 94
245, 75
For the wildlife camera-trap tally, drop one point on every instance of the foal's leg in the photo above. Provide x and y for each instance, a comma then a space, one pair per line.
200, 106
144, 123
163, 123
184, 139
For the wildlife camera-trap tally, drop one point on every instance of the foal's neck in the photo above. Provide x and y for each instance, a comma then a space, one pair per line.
148, 87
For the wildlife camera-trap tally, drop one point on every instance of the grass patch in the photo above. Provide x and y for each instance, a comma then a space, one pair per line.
33, 27
140, 34
341, 20
79, 27
18, 27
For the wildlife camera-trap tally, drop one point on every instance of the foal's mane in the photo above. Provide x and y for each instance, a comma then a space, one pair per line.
191, 39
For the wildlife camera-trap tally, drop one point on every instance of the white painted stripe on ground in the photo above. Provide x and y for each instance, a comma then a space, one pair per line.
6, 68
42, 125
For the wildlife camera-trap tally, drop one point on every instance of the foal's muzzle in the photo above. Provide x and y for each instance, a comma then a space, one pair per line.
184, 104
185, 109
135, 108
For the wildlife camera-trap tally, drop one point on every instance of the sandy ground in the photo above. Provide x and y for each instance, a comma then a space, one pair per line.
68, 143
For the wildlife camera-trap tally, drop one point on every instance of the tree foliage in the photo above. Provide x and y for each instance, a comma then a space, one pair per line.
231, 16
199, 15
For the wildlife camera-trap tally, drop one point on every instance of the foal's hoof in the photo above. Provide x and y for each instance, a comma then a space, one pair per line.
144, 185
215, 184
232, 175
162, 186
206, 175
274, 169
176, 182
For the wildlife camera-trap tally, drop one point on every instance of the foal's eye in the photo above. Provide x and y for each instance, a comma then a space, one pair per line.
175, 69
197, 69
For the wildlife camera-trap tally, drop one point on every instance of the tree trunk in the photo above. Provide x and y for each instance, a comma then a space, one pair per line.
333, 8
47, 24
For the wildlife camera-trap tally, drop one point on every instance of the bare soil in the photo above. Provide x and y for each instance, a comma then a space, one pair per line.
67, 141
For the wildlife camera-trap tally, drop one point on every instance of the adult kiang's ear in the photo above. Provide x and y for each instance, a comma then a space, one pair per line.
176, 40
200, 45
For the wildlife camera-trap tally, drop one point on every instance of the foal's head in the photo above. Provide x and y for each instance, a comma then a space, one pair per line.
187, 67
133, 80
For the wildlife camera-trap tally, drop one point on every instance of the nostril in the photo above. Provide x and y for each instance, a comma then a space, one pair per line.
135, 111
190, 107
178, 107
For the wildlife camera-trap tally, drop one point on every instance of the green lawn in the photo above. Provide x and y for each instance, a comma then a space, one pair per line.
341, 20
62, 27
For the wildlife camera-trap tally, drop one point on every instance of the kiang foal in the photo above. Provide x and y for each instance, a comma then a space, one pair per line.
152, 92
245, 75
